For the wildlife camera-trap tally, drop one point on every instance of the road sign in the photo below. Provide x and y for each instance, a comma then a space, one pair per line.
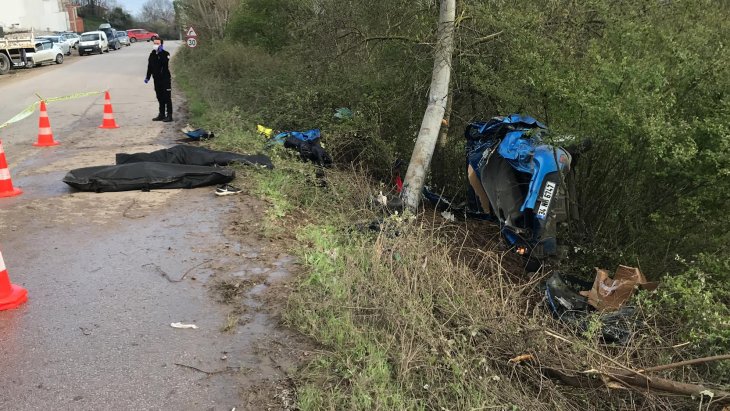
192, 42
191, 32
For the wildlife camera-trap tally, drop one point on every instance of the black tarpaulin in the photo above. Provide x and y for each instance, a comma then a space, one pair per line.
146, 176
199, 156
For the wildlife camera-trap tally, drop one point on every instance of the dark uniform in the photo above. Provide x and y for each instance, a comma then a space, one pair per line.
158, 67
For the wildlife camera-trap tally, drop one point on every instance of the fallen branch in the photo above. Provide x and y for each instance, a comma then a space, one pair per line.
695, 361
227, 369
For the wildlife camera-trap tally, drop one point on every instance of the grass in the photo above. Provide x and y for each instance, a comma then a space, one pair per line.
421, 314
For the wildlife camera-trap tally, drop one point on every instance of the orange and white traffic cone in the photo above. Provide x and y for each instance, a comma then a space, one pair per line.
45, 135
108, 121
6, 183
11, 295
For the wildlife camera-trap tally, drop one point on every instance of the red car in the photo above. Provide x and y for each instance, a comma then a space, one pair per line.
136, 35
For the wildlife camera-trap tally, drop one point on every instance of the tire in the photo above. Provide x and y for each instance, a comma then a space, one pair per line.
132, 40
29, 64
4, 64
59, 59
81, 54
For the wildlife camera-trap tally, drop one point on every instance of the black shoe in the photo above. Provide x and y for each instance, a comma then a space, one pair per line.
226, 190
159, 118
167, 119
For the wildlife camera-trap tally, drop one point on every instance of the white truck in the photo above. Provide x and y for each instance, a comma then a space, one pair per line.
14, 49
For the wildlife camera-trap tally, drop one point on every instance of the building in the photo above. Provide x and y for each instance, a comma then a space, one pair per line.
39, 15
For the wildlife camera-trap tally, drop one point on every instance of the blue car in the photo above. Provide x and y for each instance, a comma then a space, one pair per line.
520, 180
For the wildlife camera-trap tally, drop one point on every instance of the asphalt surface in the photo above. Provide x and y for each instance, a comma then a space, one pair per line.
108, 273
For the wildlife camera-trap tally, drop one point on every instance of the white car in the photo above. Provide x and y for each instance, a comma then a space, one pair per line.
93, 42
45, 52
61, 42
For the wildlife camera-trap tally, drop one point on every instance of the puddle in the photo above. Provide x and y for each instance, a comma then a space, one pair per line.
43, 185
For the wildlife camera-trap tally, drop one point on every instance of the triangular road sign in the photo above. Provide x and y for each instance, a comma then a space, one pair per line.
191, 32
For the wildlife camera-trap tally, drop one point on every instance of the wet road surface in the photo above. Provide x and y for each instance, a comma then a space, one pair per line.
108, 273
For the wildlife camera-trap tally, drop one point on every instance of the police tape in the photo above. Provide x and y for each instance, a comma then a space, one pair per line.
31, 108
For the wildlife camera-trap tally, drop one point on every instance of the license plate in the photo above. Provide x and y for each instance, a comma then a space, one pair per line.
87, 49
547, 196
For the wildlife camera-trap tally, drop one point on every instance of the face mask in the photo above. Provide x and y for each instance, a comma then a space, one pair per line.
155, 46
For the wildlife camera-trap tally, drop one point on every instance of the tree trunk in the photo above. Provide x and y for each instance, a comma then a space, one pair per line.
437, 99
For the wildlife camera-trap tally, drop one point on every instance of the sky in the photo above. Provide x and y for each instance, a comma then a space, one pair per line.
132, 6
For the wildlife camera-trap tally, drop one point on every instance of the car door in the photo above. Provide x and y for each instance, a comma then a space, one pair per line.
42, 51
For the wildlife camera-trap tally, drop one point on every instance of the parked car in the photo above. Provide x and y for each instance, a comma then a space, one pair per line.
46, 51
111, 36
136, 35
71, 38
64, 45
93, 42
123, 38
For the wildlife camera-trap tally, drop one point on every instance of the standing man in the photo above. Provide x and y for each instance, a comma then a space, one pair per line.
158, 67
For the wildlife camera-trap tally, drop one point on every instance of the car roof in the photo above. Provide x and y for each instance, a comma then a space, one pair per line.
92, 32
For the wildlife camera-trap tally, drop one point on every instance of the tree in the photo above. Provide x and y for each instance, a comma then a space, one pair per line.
158, 11
117, 17
210, 17
437, 100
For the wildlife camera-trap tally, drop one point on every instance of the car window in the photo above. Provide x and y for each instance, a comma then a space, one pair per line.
90, 37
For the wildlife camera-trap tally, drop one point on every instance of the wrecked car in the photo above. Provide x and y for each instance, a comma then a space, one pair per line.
520, 180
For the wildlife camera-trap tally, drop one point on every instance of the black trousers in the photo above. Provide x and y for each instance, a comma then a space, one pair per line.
163, 90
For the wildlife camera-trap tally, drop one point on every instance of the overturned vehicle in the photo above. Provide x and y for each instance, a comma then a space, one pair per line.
520, 180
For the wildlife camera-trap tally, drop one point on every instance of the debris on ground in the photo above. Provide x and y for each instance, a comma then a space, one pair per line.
609, 294
307, 143
183, 326
226, 190
197, 133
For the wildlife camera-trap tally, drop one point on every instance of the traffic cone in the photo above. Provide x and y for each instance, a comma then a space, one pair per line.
6, 183
45, 135
108, 113
11, 295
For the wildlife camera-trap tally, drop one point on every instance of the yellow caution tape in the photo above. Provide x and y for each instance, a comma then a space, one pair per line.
31, 108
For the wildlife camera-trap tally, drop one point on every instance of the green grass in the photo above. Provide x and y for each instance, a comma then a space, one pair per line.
414, 316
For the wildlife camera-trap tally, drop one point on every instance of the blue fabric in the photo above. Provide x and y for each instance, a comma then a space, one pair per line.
197, 134
309, 135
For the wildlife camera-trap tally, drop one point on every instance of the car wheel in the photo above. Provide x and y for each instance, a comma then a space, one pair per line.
59, 59
81, 54
133, 40
4, 64
29, 64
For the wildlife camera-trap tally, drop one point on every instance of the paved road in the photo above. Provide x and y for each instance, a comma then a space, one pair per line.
102, 270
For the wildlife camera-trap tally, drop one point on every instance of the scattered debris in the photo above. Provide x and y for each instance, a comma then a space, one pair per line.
227, 369
197, 133
227, 190
609, 294
448, 216
184, 326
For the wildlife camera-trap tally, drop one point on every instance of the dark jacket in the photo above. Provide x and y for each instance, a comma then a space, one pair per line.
158, 67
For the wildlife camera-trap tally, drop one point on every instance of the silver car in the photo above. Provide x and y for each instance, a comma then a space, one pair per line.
123, 38
71, 38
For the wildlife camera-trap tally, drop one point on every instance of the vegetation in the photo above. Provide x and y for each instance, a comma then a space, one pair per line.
414, 321
156, 15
